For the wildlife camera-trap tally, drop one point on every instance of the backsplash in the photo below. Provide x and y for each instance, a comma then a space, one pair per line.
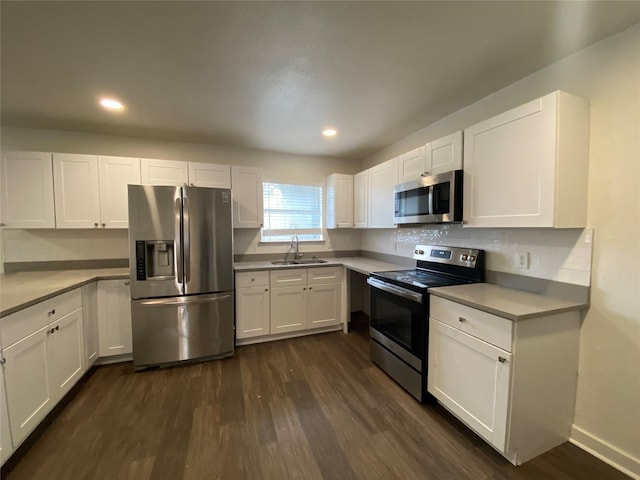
560, 255
49, 245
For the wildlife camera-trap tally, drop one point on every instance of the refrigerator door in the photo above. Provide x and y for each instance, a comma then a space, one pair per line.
208, 240
168, 330
155, 258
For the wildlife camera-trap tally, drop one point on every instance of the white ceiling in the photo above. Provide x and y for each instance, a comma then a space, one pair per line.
271, 75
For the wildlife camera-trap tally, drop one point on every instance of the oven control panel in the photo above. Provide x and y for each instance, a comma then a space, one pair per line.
465, 257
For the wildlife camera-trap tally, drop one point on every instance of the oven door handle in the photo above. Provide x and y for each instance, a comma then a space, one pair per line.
401, 292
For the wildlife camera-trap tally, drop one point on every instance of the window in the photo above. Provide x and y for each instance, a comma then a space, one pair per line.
292, 210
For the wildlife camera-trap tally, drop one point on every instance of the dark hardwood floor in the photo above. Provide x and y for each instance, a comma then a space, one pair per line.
307, 408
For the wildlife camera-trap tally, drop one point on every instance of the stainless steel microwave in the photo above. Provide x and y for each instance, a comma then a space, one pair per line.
434, 199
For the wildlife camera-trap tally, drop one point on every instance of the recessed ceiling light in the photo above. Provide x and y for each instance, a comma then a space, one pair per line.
111, 104
329, 132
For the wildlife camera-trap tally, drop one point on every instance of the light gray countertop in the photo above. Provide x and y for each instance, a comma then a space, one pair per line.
506, 302
362, 265
21, 290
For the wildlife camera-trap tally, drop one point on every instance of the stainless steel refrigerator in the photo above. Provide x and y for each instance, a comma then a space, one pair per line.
181, 263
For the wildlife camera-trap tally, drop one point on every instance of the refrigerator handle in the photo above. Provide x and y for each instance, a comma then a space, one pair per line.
183, 301
177, 252
187, 237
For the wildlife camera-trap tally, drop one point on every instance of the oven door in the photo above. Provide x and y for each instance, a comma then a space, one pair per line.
399, 315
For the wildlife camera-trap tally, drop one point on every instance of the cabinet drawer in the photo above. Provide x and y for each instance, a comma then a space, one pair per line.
289, 277
485, 326
252, 279
323, 275
25, 322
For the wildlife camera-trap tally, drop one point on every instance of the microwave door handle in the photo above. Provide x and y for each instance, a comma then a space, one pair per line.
430, 200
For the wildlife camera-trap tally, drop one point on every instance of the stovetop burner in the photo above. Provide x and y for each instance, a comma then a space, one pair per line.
438, 266
416, 279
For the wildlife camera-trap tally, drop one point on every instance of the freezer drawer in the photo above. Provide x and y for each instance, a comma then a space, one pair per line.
167, 330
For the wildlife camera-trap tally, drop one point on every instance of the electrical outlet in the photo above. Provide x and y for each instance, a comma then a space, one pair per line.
522, 260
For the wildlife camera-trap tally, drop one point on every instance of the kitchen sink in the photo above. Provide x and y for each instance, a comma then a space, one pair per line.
306, 261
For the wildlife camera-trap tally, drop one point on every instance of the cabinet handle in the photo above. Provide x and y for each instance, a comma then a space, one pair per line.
52, 312
502, 359
95, 224
57, 327
253, 279
462, 319
104, 225
126, 282
266, 289
51, 331
193, 184
3, 361
310, 288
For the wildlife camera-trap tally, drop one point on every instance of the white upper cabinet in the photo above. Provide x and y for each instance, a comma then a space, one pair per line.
91, 191
444, 155
246, 190
115, 174
77, 191
440, 156
339, 201
382, 179
411, 165
360, 199
27, 190
528, 167
163, 172
209, 175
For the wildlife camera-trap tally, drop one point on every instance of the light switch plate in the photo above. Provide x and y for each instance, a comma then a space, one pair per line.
522, 260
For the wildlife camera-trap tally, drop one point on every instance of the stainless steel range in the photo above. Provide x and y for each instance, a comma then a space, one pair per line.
399, 310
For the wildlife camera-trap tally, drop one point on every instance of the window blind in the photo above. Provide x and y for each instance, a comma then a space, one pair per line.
292, 210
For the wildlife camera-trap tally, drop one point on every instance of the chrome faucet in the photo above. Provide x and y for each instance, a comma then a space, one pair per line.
294, 245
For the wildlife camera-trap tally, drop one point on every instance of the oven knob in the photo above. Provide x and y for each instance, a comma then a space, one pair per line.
464, 257
416, 251
472, 258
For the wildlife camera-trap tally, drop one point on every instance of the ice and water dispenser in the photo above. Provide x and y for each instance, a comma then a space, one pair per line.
154, 260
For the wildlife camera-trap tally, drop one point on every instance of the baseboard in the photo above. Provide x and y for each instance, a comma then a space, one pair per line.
606, 452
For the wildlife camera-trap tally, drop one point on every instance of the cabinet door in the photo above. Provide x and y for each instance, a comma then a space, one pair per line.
6, 445
361, 199
90, 323
209, 175
382, 179
509, 168
115, 174
471, 378
114, 317
28, 394
412, 164
65, 354
163, 172
76, 190
288, 309
444, 154
252, 312
340, 201
27, 190
246, 189
324, 305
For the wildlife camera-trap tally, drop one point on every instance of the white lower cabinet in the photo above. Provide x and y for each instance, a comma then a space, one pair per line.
252, 304
471, 378
43, 359
288, 309
512, 382
305, 298
6, 445
90, 321
114, 317
285, 301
